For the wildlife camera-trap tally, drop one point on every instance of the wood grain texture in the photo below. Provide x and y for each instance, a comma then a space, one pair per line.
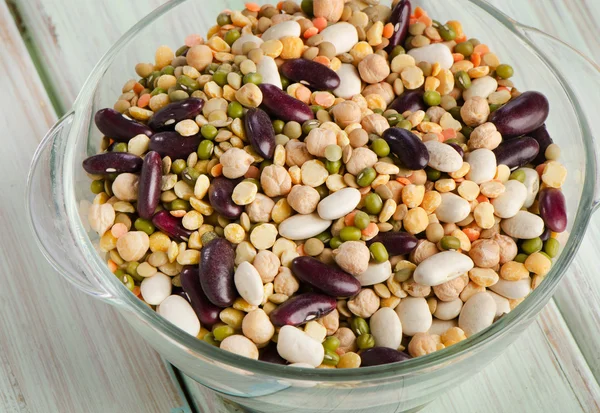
60, 351
553, 367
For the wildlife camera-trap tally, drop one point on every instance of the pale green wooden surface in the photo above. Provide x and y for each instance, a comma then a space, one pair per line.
45, 363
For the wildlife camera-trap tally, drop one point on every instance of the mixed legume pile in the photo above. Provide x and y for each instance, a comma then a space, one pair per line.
328, 184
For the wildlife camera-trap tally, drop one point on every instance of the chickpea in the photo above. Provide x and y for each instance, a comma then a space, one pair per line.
257, 326
347, 339
353, 257
450, 290
415, 289
267, 264
364, 304
296, 153
133, 245
508, 248
435, 113
424, 250
485, 253
235, 163
318, 139
260, 209
383, 89
358, 137
285, 282
485, 136
249, 95
125, 187
421, 344
331, 322
329, 9
241, 345
275, 181
373, 68
475, 111
361, 158
375, 123
346, 113
303, 199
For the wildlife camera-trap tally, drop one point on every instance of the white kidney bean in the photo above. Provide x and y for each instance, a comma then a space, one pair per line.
386, 328
238, 45
414, 315
442, 267
502, 304
299, 227
523, 225
508, 203
101, 217
532, 183
439, 327
376, 273
443, 157
453, 208
156, 288
269, 71
302, 365
296, 346
350, 82
339, 203
248, 283
289, 28
178, 311
512, 289
241, 345
433, 53
483, 87
448, 310
477, 314
342, 35
483, 165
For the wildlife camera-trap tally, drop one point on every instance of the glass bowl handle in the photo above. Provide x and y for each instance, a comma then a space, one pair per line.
581, 74
48, 217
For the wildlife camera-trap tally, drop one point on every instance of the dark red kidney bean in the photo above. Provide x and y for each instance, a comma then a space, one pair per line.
207, 312
283, 106
269, 354
517, 152
167, 117
400, 18
543, 137
173, 145
219, 195
116, 126
112, 162
302, 308
546, 234
328, 279
171, 225
259, 130
553, 209
411, 100
457, 148
396, 243
521, 115
407, 147
216, 272
149, 185
312, 74
381, 355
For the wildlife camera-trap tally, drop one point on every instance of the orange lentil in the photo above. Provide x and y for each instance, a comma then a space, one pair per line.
252, 7
482, 198
193, 40
137, 88
501, 88
112, 266
216, 170
371, 230
426, 20
419, 12
118, 230
324, 60
280, 5
472, 234
365, 190
324, 99
144, 100
388, 30
300, 250
227, 27
349, 219
540, 168
413, 20
458, 180
303, 94
137, 291
476, 59
448, 134
253, 172
403, 181
320, 23
461, 39
340, 352
310, 32
458, 57
481, 49
554, 234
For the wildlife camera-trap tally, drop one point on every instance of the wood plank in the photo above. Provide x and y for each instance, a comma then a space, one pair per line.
557, 365
60, 351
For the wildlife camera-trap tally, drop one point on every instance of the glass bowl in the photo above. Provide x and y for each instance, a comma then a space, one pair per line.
58, 198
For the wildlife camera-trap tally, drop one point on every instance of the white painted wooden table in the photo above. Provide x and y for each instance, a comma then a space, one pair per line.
61, 351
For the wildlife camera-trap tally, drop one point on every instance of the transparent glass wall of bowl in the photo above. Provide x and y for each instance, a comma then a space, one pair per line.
264, 392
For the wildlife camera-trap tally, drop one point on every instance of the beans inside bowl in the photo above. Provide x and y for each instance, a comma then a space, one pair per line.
328, 185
